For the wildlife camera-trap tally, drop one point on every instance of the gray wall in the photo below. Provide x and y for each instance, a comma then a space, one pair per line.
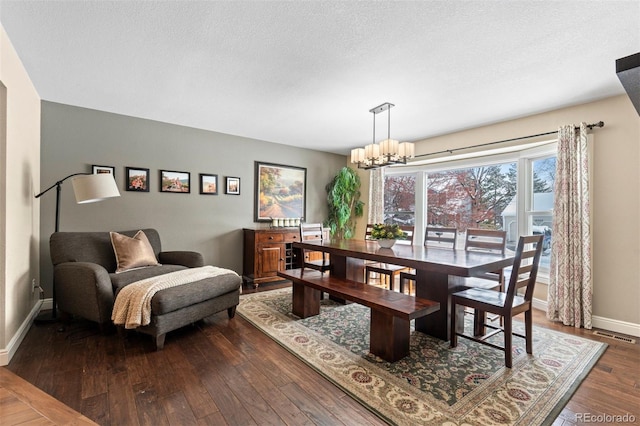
73, 139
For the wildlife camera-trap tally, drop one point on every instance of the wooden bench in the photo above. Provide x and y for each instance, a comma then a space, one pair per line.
391, 312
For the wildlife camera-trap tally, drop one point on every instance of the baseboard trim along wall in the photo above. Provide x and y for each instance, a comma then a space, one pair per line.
7, 353
608, 324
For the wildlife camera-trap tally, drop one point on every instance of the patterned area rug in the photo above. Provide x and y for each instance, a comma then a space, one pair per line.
434, 385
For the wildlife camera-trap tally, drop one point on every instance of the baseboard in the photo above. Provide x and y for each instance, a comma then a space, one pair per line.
622, 327
47, 304
7, 353
540, 304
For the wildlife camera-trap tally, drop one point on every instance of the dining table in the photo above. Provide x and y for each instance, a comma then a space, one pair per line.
439, 271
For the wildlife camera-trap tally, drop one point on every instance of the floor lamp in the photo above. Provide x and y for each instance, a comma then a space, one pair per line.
88, 188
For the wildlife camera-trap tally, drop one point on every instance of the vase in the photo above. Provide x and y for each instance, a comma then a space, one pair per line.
386, 242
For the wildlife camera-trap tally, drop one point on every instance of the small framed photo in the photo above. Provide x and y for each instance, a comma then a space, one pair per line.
208, 184
103, 169
233, 185
137, 179
171, 181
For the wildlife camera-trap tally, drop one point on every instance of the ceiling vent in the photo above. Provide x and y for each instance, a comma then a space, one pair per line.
628, 70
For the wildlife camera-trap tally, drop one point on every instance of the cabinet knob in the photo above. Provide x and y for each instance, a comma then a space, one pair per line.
271, 238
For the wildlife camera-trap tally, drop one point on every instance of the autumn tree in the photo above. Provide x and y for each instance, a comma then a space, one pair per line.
470, 197
400, 199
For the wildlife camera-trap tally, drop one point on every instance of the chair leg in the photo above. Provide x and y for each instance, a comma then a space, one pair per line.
508, 338
479, 320
160, 341
383, 280
454, 337
402, 279
366, 277
528, 324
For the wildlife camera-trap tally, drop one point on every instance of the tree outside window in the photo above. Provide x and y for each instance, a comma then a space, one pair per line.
472, 197
400, 199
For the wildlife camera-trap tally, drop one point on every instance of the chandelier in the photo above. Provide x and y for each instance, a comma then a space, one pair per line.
387, 152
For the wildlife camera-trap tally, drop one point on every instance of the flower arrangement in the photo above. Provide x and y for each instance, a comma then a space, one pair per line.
384, 231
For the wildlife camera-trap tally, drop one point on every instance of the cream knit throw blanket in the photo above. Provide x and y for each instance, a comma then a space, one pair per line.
133, 303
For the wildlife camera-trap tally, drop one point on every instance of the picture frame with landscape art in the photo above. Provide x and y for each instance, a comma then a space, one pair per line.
280, 192
137, 179
177, 182
208, 184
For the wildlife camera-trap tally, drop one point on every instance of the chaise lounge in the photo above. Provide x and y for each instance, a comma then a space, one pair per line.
88, 276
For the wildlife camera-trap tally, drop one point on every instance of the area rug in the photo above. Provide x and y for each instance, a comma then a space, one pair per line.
434, 385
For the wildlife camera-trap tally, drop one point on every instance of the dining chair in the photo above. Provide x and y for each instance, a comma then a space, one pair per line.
488, 241
313, 232
368, 230
388, 270
516, 300
435, 236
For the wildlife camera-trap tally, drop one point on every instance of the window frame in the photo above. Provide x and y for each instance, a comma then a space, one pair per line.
523, 156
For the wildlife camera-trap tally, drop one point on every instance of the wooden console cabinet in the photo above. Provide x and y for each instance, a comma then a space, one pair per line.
267, 251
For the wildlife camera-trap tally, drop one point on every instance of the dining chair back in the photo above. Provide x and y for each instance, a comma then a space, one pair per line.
491, 241
313, 232
440, 237
387, 271
368, 230
517, 299
408, 235
434, 236
486, 240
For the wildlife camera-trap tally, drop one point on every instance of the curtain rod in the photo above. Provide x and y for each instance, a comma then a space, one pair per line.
451, 151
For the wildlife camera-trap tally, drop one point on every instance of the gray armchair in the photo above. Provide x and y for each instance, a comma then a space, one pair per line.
86, 283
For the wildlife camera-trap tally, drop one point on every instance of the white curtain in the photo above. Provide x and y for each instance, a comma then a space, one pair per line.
376, 196
570, 287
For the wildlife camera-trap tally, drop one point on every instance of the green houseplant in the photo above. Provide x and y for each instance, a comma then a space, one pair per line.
343, 199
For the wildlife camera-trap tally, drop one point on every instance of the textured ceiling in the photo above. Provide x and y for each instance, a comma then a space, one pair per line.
307, 73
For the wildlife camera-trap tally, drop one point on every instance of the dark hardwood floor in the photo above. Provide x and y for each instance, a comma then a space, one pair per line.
225, 371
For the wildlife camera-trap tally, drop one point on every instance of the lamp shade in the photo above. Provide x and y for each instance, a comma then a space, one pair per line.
92, 188
389, 147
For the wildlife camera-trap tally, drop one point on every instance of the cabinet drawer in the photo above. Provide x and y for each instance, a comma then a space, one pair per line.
291, 237
270, 237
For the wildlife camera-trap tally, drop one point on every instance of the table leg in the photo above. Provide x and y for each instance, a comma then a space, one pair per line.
348, 268
479, 320
305, 301
388, 336
438, 287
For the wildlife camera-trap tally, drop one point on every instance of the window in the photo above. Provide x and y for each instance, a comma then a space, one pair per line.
474, 197
400, 199
512, 192
540, 214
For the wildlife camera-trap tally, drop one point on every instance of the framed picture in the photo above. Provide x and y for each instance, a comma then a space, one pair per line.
208, 184
137, 179
103, 169
280, 191
171, 181
233, 185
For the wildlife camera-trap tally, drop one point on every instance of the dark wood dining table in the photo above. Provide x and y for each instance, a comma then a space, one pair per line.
439, 271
